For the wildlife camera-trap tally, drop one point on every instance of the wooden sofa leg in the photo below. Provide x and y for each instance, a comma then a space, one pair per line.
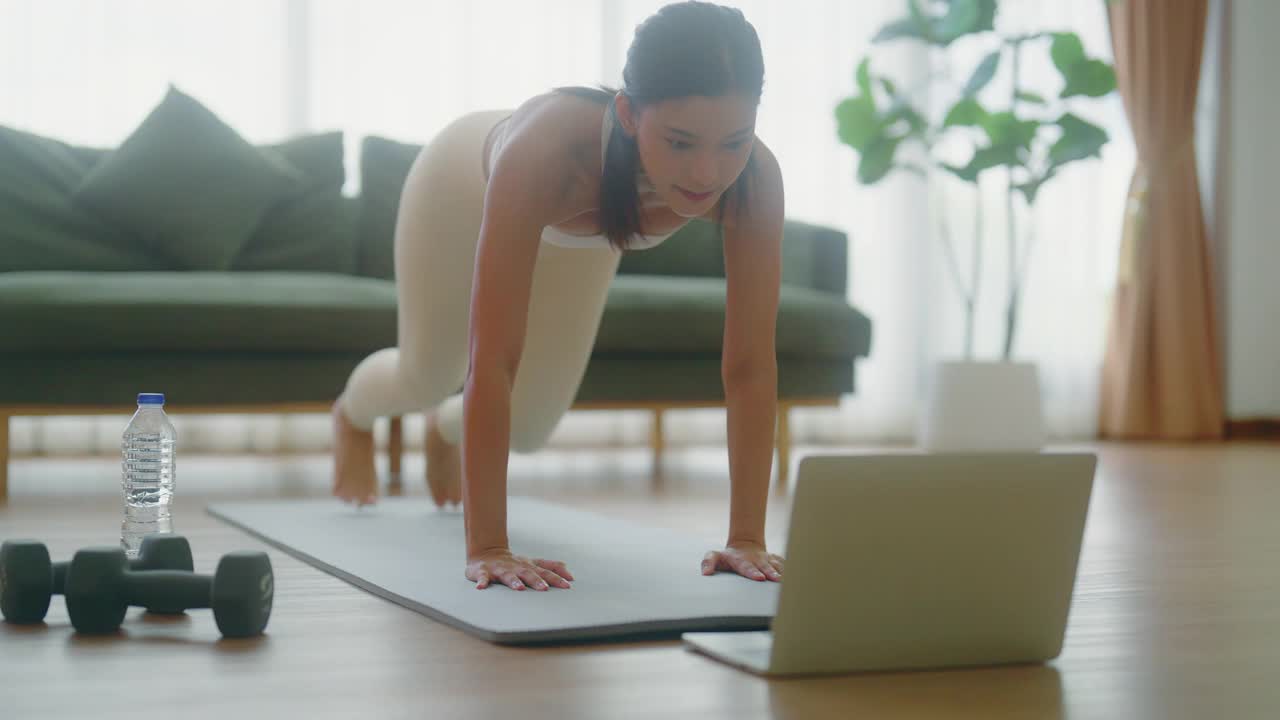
784, 445
657, 443
395, 447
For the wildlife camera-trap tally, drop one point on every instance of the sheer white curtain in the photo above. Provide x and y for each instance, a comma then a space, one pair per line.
88, 71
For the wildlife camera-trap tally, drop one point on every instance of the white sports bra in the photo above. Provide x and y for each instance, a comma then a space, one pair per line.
557, 237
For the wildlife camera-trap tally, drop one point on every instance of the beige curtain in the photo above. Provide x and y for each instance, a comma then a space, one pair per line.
1161, 376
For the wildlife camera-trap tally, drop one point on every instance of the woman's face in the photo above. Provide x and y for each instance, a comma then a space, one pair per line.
692, 148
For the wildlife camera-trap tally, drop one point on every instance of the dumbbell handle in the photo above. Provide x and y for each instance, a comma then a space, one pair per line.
60, 572
172, 589
60, 576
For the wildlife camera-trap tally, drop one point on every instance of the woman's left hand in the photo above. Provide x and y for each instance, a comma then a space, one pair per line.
749, 560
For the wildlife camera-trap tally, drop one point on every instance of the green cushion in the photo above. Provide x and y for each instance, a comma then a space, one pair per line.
313, 231
635, 378
41, 228
186, 378
188, 185
188, 311
247, 378
89, 156
318, 157
656, 314
384, 166
694, 250
815, 256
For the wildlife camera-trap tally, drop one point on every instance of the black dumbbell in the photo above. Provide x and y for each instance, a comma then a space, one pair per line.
28, 580
101, 588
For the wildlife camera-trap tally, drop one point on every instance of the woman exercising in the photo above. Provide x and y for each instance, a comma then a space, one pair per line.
510, 230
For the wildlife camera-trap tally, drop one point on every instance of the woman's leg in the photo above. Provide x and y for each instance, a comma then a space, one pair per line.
437, 229
566, 301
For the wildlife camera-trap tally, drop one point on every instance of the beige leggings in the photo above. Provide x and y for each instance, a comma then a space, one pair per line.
435, 249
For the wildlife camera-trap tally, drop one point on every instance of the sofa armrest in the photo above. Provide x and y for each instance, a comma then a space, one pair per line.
815, 257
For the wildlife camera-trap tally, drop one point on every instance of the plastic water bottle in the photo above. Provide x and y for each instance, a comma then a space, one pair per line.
147, 472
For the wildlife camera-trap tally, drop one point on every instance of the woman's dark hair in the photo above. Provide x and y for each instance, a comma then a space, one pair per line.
685, 49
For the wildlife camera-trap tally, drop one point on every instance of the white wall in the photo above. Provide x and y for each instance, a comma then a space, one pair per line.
1250, 208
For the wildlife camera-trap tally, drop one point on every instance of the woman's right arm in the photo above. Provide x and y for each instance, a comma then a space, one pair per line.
519, 202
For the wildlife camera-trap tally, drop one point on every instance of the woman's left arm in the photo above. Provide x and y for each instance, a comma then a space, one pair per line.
749, 368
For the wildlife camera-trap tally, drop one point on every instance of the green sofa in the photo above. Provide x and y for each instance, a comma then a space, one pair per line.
100, 300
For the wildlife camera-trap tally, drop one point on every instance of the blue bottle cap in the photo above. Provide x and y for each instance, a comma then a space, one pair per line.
150, 398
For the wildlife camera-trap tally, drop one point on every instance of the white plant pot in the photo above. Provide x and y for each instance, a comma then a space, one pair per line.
982, 406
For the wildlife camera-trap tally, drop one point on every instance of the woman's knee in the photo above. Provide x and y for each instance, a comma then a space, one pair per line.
429, 386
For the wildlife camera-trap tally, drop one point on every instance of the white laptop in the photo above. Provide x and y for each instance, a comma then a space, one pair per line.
922, 561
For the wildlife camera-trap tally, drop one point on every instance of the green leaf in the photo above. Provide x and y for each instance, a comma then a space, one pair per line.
863, 77
986, 158
1066, 51
1003, 128
958, 171
1091, 78
1082, 75
901, 29
983, 74
877, 160
1031, 188
902, 110
965, 17
889, 87
966, 112
1028, 96
919, 125
917, 17
1080, 139
986, 16
856, 122
995, 156
961, 19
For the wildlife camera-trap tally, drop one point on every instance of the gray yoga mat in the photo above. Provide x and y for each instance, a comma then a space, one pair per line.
632, 581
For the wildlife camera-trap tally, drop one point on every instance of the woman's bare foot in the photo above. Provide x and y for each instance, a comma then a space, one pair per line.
444, 466
354, 475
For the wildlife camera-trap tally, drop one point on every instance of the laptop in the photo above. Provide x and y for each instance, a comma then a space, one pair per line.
921, 561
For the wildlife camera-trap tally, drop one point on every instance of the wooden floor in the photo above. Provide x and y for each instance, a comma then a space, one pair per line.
1176, 612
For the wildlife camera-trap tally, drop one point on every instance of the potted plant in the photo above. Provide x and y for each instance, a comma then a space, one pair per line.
1026, 134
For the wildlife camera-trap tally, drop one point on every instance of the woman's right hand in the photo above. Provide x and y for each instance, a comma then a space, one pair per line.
516, 572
